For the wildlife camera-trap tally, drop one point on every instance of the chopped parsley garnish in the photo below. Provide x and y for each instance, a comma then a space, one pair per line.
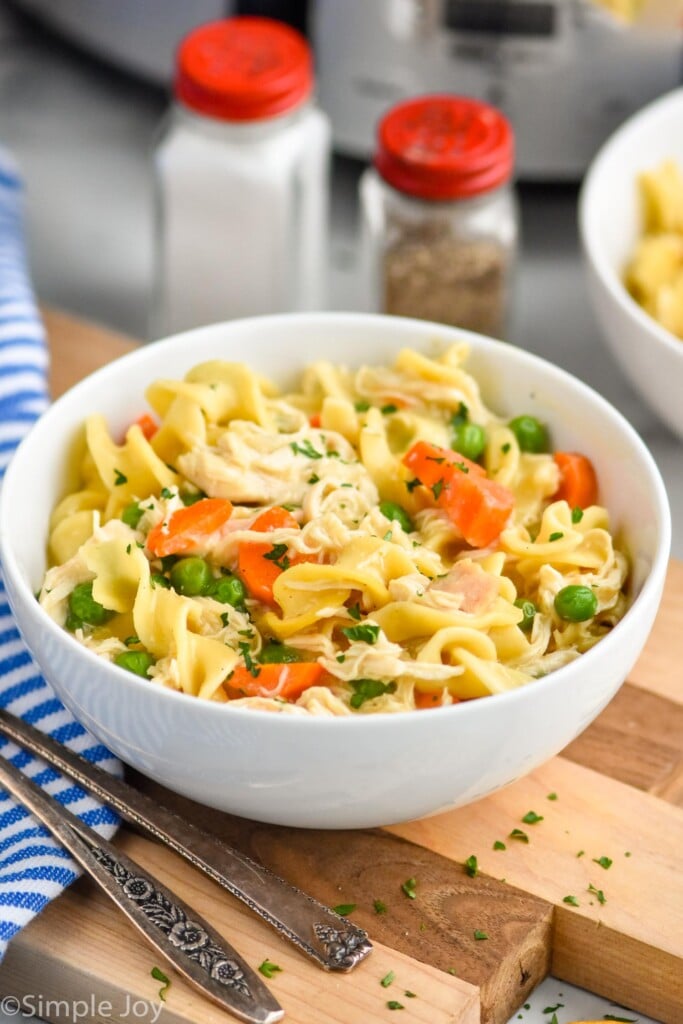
268, 969
367, 632
556, 536
362, 405
461, 416
551, 796
128, 549
505, 448
341, 658
344, 909
387, 979
393, 1004
278, 555
225, 618
581, 853
159, 975
471, 866
388, 535
131, 641
577, 514
499, 846
531, 818
439, 459
410, 995
571, 900
368, 689
553, 1009
598, 893
354, 611
604, 862
119, 478
305, 448
412, 484
452, 970
313, 479
409, 888
479, 935
461, 466
437, 488
245, 651
388, 409
165, 493
379, 906
518, 834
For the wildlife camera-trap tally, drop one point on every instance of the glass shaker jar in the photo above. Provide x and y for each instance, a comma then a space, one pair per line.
439, 214
241, 178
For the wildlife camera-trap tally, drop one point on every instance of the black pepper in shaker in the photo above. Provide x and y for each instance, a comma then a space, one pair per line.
440, 220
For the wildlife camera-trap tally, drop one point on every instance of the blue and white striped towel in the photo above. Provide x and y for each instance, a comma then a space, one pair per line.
33, 867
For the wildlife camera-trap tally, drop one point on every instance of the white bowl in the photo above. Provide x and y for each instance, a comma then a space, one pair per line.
347, 772
610, 224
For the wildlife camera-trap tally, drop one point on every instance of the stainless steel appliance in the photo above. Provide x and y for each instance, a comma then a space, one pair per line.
566, 72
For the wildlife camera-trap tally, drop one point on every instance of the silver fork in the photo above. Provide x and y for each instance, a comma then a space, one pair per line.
184, 938
334, 942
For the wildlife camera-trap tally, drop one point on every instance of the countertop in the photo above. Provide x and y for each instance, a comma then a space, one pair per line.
83, 134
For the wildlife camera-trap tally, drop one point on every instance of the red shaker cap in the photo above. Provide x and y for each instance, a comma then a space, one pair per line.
243, 69
444, 147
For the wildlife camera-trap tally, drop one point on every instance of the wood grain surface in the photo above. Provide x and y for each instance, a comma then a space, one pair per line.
619, 794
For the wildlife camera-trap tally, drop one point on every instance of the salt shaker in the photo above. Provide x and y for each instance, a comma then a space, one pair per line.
439, 213
241, 178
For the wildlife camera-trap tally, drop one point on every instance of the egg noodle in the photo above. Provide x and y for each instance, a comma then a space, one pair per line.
329, 551
654, 275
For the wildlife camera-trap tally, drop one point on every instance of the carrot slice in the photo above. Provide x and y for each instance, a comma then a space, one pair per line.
286, 681
579, 483
427, 700
147, 425
479, 507
189, 528
430, 463
256, 564
314, 420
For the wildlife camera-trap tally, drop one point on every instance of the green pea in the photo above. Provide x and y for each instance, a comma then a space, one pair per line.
229, 590
529, 610
191, 576
73, 622
192, 497
530, 433
132, 514
84, 607
393, 511
135, 661
469, 439
278, 654
157, 580
576, 603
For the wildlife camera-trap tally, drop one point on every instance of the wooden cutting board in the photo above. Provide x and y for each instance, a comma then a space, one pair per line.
610, 838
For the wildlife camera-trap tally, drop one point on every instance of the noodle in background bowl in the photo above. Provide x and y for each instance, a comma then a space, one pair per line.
610, 225
363, 770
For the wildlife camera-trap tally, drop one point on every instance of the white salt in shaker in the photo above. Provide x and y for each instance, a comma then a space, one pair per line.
242, 179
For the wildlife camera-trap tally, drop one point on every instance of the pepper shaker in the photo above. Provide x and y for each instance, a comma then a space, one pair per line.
439, 214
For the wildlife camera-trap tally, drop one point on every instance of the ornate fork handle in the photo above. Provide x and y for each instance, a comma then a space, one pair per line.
187, 941
335, 943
